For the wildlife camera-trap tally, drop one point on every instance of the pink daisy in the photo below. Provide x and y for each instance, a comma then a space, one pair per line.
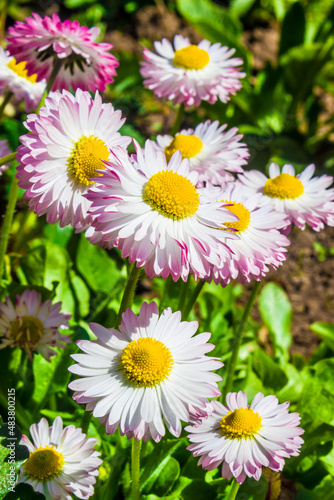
260, 243
62, 461
150, 372
4, 151
14, 78
245, 438
303, 198
39, 42
211, 151
59, 157
189, 74
33, 325
153, 212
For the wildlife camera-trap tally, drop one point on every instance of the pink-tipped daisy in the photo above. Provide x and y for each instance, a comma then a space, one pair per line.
303, 198
260, 243
210, 150
42, 42
4, 151
146, 374
153, 212
66, 145
245, 438
62, 461
33, 325
14, 78
189, 74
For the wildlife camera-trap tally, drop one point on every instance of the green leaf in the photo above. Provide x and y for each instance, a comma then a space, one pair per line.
253, 490
97, 269
276, 313
12, 456
293, 28
197, 490
167, 477
268, 371
325, 332
240, 7
156, 463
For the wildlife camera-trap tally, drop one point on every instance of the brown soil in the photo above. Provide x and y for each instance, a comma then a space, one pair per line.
309, 284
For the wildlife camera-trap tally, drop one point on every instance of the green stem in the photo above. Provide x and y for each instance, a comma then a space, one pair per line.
7, 159
234, 490
128, 292
5, 102
57, 64
7, 222
238, 337
135, 468
178, 120
85, 421
183, 293
191, 302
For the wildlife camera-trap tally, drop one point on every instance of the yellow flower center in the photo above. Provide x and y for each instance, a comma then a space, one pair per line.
240, 211
86, 159
172, 195
283, 186
242, 423
146, 362
26, 330
189, 145
20, 70
44, 463
191, 57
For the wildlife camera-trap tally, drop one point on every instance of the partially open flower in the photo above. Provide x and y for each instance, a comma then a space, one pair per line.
4, 151
42, 42
33, 325
62, 462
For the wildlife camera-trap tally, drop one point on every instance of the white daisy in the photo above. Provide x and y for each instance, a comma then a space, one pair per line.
14, 78
33, 325
260, 242
303, 198
145, 374
210, 150
245, 438
153, 212
189, 74
67, 143
62, 462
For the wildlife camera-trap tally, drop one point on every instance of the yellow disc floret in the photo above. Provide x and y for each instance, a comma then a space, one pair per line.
189, 145
26, 330
191, 57
242, 423
44, 463
20, 70
86, 159
146, 362
240, 211
283, 186
172, 195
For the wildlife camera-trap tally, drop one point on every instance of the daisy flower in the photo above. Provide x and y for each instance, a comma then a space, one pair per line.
245, 438
146, 374
14, 78
4, 151
189, 74
153, 212
210, 150
62, 461
33, 325
66, 145
43, 42
260, 243
303, 198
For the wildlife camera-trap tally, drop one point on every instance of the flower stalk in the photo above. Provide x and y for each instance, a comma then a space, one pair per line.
178, 119
8, 219
135, 468
128, 292
234, 490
